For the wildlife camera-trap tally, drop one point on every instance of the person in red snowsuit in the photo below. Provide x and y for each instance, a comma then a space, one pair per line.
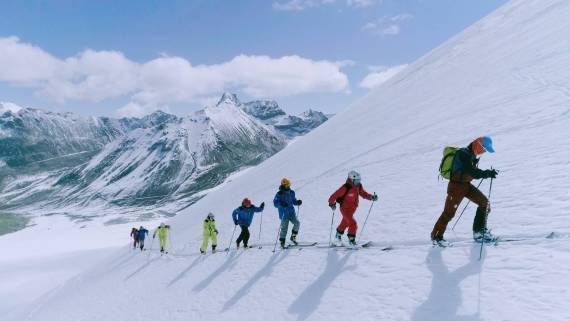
348, 196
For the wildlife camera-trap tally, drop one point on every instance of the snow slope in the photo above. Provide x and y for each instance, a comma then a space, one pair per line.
506, 76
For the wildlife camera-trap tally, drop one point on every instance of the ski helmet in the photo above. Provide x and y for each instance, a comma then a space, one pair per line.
354, 177
482, 144
246, 202
488, 144
142, 228
162, 224
211, 215
286, 182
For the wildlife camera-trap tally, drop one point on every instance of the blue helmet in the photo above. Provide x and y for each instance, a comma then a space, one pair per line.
488, 144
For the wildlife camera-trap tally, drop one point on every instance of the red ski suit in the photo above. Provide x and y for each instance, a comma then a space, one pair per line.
349, 205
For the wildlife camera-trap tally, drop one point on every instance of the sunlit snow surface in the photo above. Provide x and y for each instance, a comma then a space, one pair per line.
508, 77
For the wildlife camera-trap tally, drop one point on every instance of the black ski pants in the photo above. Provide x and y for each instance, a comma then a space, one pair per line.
244, 235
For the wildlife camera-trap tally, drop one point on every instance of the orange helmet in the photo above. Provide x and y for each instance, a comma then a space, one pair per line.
286, 182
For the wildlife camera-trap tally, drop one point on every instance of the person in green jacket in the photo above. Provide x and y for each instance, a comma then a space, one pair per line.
210, 233
162, 232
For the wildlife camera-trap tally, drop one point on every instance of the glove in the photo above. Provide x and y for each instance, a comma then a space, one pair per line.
216, 231
235, 223
490, 173
262, 205
374, 197
298, 202
333, 206
283, 204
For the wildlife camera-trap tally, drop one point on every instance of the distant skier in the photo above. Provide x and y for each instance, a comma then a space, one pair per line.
142, 232
243, 216
210, 233
135, 236
285, 201
348, 196
462, 170
162, 232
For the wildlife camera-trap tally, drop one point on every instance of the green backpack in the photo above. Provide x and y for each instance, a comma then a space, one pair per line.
447, 161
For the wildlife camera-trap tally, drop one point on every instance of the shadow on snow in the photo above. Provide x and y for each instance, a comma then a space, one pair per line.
308, 301
445, 296
263, 272
231, 260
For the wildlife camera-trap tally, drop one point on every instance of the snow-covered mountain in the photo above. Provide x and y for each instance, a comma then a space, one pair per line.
156, 160
33, 140
506, 76
269, 112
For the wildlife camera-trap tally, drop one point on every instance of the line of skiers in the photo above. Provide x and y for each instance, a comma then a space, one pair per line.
459, 166
140, 234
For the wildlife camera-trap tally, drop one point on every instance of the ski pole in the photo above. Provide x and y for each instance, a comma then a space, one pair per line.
330, 232
277, 238
366, 220
260, 224
486, 213
468, 202
231, 239
150, 249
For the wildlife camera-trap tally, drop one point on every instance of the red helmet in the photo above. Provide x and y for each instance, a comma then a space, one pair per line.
246, 202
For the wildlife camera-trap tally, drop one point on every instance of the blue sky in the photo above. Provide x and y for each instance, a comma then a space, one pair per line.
130, 57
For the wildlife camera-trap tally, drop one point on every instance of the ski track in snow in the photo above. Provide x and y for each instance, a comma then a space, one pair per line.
505, 76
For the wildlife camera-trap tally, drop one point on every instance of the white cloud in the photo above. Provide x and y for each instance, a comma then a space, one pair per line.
25, 64
299, 5
362, 3
388, 25
132, 110
100, 75
391, 30
379, 75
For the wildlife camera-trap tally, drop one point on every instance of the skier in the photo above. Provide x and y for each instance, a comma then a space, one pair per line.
285, 201
143, 232
463, 169
135, 236
210, 232
162, 231
243, 216
347, 196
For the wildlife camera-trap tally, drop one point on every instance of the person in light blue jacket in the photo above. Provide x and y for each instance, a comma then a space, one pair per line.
285, 201
243, 216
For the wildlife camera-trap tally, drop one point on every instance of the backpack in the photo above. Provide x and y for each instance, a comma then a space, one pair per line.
446, 166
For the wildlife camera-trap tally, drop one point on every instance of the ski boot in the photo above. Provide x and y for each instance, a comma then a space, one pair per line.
352, 241
337, 239
282, 243
440, 241
213, 249
294, 239
202, 252
484, 236
237, 245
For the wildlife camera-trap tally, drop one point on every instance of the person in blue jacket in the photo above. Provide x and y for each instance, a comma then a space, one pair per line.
143, 232
243, 216
285, 201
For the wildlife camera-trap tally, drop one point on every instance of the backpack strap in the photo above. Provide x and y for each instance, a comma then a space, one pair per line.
347, 188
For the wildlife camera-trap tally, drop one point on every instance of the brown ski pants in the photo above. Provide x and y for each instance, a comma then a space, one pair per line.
456, 192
